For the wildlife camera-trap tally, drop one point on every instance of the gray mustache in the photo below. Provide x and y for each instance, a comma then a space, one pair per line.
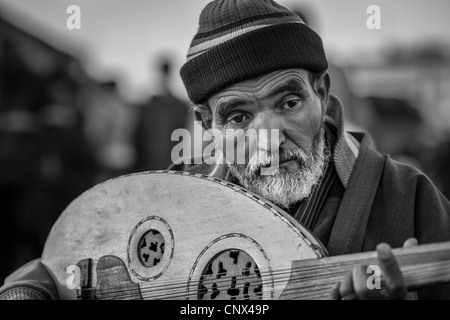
284, 156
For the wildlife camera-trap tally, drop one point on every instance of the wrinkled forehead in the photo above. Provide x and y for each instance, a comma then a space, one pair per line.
263, 86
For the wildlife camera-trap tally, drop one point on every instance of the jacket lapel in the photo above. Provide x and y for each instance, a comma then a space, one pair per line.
349, 228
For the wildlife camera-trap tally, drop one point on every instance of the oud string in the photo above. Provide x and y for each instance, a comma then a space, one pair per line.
440, 271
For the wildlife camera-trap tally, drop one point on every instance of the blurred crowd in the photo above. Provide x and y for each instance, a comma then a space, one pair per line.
61, 133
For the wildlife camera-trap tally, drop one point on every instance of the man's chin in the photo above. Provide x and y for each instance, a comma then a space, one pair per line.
282, 188
284, 200
289, 167
291, 164
286, 168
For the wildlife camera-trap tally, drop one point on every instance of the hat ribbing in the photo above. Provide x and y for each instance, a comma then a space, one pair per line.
242, 39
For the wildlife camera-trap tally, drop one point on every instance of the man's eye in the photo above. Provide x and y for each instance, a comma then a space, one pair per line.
290, 104
237, 119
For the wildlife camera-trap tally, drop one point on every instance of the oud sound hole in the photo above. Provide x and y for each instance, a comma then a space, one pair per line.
231, 275
151, 248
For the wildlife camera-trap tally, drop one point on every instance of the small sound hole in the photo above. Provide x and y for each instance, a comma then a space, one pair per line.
231, 275
151, 248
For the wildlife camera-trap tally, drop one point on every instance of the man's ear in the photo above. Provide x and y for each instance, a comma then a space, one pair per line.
203, 113
323, 86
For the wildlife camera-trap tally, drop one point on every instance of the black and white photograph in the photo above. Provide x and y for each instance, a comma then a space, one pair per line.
224, 150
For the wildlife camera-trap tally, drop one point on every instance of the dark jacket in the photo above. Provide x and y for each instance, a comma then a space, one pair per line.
386, 201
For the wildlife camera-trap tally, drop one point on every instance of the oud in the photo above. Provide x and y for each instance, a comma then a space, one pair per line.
174, 235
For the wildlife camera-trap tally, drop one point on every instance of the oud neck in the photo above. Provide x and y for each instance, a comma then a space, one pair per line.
425, 265
421, 266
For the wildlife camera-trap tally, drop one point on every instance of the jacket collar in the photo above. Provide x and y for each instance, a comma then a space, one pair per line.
347, 146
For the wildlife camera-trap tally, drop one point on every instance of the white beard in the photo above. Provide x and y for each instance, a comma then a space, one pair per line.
286, 187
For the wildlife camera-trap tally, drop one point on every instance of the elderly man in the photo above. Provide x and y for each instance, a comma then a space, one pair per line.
254, 64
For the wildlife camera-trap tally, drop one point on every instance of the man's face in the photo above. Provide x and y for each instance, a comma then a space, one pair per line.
286, 101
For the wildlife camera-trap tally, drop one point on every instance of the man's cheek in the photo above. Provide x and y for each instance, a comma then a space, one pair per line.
310, 126
238, 148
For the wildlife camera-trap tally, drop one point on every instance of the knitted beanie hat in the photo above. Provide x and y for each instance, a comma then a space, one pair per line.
242, 39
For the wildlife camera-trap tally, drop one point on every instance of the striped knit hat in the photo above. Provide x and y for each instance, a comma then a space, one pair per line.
242, 39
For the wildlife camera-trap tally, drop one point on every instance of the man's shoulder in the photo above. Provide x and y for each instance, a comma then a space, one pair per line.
397, 175
394, 166
407, 174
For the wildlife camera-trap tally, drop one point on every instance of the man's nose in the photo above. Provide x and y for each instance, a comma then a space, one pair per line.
273, 124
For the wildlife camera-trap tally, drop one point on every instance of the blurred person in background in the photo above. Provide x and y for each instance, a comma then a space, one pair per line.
109, 127
438, 165
157, 119
67, 163
108, 122
396, 128
45, 160
22, 94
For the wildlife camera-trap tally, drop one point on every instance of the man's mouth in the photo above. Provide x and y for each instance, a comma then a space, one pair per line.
283, 161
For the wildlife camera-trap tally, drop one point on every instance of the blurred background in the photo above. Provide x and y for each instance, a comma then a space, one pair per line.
78, 107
